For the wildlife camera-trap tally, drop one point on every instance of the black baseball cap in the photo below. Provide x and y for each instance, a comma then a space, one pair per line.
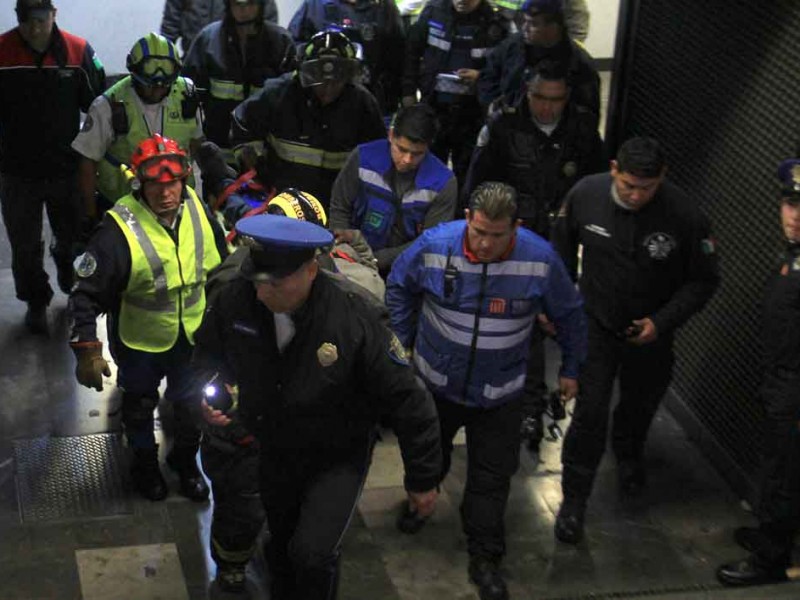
40, 9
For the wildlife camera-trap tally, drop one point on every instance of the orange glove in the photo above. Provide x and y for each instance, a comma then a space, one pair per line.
91, 364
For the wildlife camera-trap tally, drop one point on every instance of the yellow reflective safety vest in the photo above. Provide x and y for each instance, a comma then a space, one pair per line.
111, 182
166, 287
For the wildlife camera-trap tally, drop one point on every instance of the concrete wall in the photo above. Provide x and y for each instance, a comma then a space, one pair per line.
112, 26
602, 28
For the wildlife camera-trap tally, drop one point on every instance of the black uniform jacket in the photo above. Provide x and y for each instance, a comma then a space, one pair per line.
781, 316
216, 56
301, 399
307, 144
542, 168
508, 64
658, 262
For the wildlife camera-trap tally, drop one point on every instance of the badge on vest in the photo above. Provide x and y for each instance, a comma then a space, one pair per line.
374, 219
497, 306
327, 354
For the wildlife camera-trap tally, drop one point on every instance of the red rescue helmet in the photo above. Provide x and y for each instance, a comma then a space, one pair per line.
160, 159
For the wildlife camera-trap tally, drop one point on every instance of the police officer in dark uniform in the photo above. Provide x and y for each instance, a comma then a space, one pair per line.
315, 370
648, 264
540, 147
374, 26
230, 59
770, 545
310, 119
446, 50
543, 35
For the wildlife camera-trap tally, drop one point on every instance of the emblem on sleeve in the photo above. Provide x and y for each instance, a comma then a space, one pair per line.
85, 265
327, 354
88, 123
397, 352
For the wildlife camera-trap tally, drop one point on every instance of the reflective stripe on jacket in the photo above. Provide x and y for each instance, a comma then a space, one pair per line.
375, 208
474, 320
451, 45
166, 285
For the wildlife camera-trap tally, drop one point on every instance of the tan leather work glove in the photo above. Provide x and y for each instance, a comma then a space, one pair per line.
91, 364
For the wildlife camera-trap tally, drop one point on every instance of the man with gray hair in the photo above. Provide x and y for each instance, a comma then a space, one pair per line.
465, 296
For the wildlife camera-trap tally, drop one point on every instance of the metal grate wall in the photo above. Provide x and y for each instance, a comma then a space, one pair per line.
717, 82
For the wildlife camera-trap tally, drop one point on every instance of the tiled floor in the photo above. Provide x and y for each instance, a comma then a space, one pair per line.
668, 542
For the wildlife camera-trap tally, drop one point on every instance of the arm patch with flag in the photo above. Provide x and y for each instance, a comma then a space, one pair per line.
396, 351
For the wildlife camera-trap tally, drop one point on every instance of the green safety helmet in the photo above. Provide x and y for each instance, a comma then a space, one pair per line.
154, 61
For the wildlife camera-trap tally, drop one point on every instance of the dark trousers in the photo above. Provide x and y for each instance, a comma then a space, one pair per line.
493, 440
310, 497
238, 510
22, 202
779, 505
644, 375
534, 402
458, 132
139, 375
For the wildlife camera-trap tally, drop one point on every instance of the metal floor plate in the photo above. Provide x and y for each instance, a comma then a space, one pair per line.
71, 477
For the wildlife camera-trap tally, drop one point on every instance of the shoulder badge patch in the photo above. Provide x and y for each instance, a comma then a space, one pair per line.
397, 352
85, 265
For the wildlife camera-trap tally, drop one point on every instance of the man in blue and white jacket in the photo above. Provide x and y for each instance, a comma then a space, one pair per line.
465, 296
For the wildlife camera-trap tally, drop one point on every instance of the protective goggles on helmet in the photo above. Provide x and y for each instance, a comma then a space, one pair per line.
328, 68
157, 70
163, 168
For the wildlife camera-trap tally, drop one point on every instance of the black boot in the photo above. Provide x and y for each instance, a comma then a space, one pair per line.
408, 521
569, 522
485, 573
232, 578
184, 462
146, 475
750, 572
36, 319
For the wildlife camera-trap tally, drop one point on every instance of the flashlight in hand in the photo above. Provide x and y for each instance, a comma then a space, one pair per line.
216, 394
